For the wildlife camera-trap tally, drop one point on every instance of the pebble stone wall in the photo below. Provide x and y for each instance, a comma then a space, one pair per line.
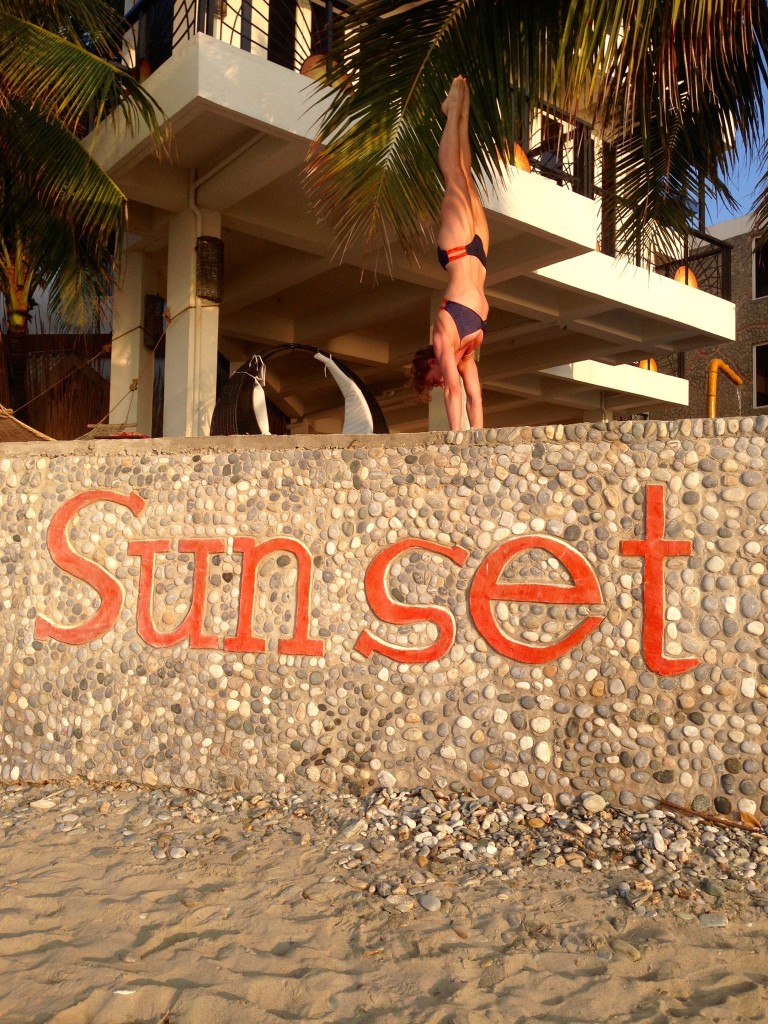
112, 707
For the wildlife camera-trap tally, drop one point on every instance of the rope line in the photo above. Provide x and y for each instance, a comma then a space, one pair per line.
106, 350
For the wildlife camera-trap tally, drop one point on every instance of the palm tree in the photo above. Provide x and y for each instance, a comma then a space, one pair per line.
670, 87
61, 217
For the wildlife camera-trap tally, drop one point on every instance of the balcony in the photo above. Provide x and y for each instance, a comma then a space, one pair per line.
564, 150
286, 32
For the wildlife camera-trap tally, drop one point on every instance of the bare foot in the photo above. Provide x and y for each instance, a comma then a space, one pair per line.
455, 94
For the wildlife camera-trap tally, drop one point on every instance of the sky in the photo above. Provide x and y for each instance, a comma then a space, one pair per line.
743, 183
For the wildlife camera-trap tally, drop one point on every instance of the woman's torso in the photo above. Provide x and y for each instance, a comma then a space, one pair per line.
466, 284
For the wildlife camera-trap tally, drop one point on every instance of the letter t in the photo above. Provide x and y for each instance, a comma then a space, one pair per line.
653, 550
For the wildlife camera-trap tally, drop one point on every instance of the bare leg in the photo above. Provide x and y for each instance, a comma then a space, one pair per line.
466, 153
468, 370
456, 218
450, 154
480, 224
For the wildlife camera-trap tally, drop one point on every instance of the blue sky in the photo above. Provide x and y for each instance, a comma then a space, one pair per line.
743, 182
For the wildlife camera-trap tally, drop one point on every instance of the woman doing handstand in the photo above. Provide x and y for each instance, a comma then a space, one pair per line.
462, 247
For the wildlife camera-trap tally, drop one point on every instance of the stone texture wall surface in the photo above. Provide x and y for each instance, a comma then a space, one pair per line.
132, 615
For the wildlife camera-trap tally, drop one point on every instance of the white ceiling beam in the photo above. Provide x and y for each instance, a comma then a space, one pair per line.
275, 274
358, 348
343, 317
517, 257
157, 184
297, 231
264, 328
623, 379
264, 161
505, 364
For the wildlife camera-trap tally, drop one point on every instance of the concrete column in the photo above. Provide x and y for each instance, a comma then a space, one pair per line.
192, 336
438, 417
127, 349
145, 392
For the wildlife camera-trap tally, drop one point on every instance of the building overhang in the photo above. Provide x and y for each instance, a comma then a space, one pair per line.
626, 384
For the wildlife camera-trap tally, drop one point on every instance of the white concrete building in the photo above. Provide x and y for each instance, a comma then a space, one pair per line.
566, 321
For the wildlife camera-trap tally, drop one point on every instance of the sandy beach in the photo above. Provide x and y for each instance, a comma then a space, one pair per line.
125, 906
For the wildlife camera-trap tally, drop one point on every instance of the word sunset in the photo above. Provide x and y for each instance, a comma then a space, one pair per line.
493, 585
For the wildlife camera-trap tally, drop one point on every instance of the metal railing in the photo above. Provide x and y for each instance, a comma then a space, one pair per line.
286, 32
707, 259
699, 259
563, 148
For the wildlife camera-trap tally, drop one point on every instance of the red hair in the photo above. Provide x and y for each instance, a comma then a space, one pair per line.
422, 361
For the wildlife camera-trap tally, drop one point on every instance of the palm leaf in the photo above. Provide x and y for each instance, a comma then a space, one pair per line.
760, 220
64, 81
659, 172
379, 166
75, 267
683, 76
58, 206
50, 164
636, 57
97, 21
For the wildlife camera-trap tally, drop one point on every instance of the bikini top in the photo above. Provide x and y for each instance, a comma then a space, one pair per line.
473, 248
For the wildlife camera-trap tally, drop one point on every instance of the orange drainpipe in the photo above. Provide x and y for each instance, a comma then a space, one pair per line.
714, 366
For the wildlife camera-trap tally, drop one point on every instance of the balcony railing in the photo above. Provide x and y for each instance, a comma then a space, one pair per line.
707, 259
286, 32
561, 148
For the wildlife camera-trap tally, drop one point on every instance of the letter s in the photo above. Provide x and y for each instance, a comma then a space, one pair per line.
63, 555
382, 605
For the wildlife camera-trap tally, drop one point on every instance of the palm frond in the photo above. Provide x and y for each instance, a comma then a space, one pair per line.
96, 21
50, 165
635, 57
64, 81
75, 267
760, 220
83, 281
378, 169
660, 174
686, 76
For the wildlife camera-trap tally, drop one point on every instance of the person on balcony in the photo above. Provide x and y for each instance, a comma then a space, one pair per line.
462, 250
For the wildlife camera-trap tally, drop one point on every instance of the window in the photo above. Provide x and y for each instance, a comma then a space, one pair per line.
760, 374
761, 271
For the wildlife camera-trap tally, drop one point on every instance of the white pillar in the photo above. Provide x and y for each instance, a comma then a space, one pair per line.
438, 417
192, 336
145, 393
126, 360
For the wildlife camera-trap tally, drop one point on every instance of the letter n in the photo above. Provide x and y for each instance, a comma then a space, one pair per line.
191, 626
253, 554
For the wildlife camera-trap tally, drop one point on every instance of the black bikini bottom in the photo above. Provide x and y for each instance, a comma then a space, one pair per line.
467, 320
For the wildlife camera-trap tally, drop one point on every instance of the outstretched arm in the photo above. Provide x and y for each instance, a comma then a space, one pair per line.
452, 393
467, 369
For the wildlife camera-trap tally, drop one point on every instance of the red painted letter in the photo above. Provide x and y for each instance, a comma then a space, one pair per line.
108, 589
192, 624
486, 588
382, 605
653, 550
253, 553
